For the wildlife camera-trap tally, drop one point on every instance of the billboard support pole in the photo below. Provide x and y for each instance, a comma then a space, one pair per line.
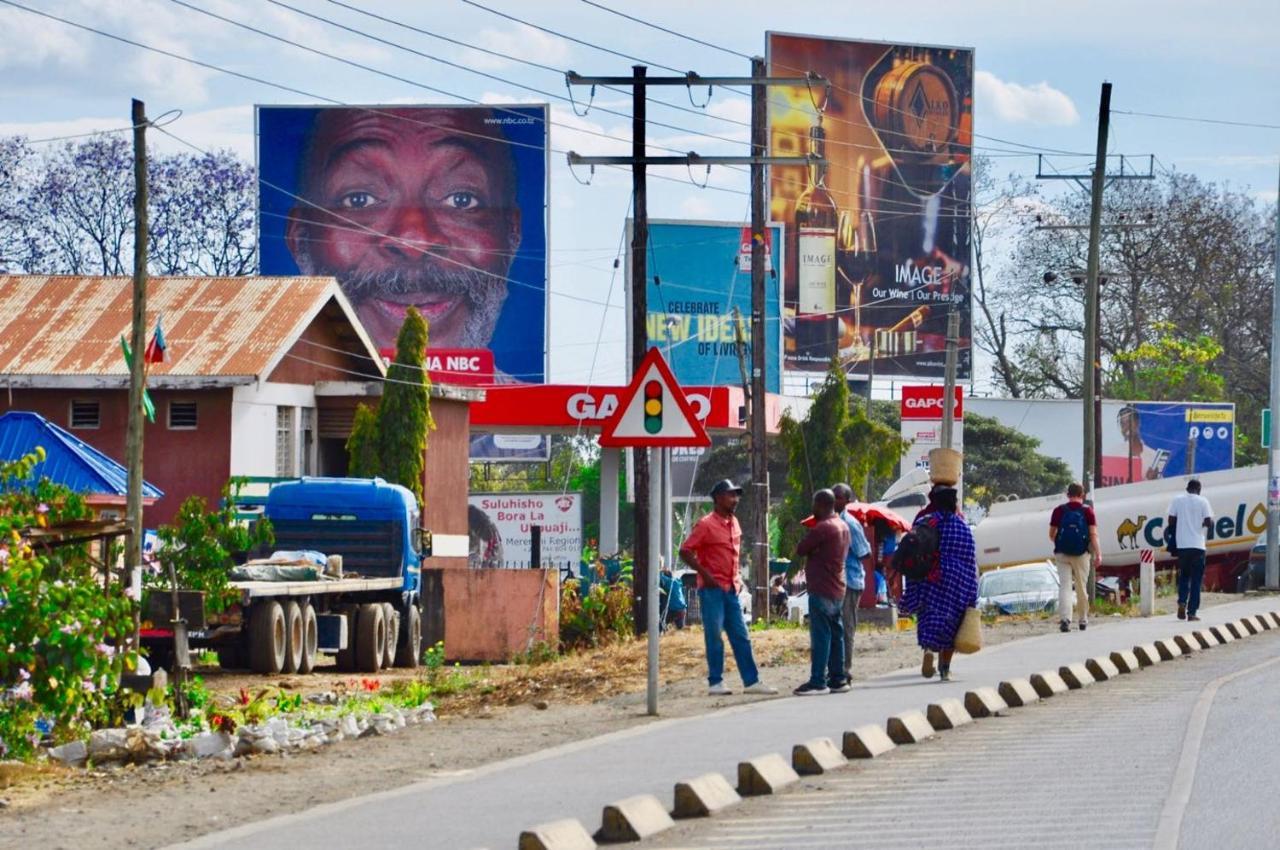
949, 385
759, 446
644, 516
651, 581
1273, 452
871, 383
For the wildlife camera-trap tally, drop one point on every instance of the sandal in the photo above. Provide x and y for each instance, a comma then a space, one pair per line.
926, 667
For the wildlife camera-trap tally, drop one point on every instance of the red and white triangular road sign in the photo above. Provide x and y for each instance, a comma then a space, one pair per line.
654, 411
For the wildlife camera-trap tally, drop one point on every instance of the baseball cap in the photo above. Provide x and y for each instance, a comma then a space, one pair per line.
725, 486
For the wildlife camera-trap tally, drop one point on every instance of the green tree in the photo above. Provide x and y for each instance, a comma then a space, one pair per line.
834, 442
390, 442
1000, 461
362, 445
1171, 367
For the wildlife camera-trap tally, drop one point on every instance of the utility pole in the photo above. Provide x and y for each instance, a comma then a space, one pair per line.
759, 446
639, 274
949, 381
640, 342
1273, 452
138, 336
871, 383
1091, 359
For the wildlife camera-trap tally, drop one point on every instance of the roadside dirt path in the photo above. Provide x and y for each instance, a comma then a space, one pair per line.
514, 711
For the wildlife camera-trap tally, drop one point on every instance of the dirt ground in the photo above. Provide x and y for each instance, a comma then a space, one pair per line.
512, 711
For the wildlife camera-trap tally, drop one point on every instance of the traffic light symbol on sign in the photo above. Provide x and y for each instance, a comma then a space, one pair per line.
653, 407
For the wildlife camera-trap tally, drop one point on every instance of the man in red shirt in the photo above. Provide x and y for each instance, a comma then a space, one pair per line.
824, 549
1073, 528
713, 550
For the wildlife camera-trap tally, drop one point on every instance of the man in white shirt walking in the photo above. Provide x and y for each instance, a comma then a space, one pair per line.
1190, 515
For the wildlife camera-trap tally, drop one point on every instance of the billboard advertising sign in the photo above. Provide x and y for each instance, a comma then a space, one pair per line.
442, 208
509, 448
500, 528
921, 410
697, 277
878, 238
1145, 440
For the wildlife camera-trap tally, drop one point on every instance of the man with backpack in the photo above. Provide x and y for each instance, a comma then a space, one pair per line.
1073, 528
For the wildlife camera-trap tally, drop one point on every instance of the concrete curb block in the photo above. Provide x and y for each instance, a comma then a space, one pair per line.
765, 775
1018, 692
703, 796
984, 702
1249, 625
1102, 668
1188, 643
817, 756
1264, 621
1048, 683
866, 742
1147, 654
948, 714
1076, 676
1207, 639
909, 727
1237, 629
1222, 633
1125, 661
1168, 649
1275, 617
633, 819
567, 834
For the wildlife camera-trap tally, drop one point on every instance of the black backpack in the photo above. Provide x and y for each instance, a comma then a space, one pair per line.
1073, 531
917, 552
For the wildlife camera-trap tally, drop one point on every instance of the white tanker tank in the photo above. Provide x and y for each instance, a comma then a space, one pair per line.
1131, 517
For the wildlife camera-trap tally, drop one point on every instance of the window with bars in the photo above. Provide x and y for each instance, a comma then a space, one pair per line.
86, 414
285, 467
183, 416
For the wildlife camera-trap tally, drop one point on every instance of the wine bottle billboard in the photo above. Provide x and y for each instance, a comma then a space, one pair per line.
892, 200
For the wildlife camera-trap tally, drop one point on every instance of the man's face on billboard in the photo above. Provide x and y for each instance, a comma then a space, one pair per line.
410, 207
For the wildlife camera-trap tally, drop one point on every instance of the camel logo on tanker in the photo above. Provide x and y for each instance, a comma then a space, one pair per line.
1246, 520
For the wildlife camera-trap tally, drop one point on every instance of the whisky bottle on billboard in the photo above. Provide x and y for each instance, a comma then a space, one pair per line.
816, 220
856, 250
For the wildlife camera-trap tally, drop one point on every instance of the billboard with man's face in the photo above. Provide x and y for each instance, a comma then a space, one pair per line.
441, 208
878, 250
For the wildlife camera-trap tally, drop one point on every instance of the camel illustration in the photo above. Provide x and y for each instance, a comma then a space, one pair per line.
1129, 529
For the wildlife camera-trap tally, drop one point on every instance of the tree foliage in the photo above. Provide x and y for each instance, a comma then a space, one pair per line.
389, 443
1000, 461
68, 209
832, 444
1170, 368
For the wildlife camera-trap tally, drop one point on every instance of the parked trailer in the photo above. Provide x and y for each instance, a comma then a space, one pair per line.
370, 619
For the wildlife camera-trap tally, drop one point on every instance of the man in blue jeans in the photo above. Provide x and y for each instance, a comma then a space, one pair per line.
824, 549
713, 551
1191, 516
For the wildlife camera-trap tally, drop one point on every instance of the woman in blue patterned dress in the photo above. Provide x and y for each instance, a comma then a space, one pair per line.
939, 601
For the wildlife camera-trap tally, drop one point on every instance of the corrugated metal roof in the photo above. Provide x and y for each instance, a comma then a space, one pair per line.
68, 459
214, 326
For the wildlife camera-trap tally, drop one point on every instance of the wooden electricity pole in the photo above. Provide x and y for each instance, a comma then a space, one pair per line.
138, 337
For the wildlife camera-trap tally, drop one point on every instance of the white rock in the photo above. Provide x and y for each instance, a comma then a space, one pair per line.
73, 754
265, 746
108, 745
209, 745
349, 726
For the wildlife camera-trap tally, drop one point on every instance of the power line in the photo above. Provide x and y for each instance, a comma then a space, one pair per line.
651, 25
1198, 120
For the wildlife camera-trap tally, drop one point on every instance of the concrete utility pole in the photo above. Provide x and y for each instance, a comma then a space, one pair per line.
949, 384
639, 278
1089, 386
1273, 453
137, 338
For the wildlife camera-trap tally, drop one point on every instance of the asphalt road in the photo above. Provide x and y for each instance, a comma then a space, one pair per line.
1176, 756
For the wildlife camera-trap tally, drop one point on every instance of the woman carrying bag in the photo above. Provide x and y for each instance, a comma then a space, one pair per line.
945, 598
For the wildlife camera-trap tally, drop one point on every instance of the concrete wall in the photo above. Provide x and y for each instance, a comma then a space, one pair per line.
253, 426
182, 463
489, 615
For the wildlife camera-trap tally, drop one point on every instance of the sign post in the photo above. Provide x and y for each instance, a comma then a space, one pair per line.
653, 413
1147, 582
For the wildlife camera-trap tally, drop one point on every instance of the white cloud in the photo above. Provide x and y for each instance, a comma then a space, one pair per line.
1039, 103
519, 42
31, 42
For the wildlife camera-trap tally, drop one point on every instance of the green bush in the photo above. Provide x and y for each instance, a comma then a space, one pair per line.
61, 633
601, 616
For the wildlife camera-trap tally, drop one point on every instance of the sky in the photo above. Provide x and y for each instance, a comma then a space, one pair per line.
1039, 68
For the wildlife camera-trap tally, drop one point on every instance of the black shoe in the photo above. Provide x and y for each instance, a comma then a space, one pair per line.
1182, 612
944, 674
1193, 618
841, 687
1084, 626
1064, 626
808, 689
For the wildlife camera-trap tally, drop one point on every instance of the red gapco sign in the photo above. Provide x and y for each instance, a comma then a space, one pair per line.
926, 402
458, 366
744, 250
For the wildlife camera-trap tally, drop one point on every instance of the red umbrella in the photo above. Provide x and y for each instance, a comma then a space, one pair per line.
865, 513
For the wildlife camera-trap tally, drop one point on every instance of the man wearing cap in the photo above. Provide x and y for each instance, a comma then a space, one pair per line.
713, 551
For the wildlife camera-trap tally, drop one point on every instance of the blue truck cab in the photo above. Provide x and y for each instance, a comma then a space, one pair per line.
372, 524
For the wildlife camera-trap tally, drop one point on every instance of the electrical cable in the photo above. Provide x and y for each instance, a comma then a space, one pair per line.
1196, 119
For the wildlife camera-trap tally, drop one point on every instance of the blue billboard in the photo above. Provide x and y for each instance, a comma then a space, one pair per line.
1145, 440
441, 208
698, 273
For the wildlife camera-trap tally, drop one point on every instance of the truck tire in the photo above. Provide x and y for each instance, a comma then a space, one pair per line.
267, 641
371, 637
392, 616
293, 639
409, 650
346, 658
310, 639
